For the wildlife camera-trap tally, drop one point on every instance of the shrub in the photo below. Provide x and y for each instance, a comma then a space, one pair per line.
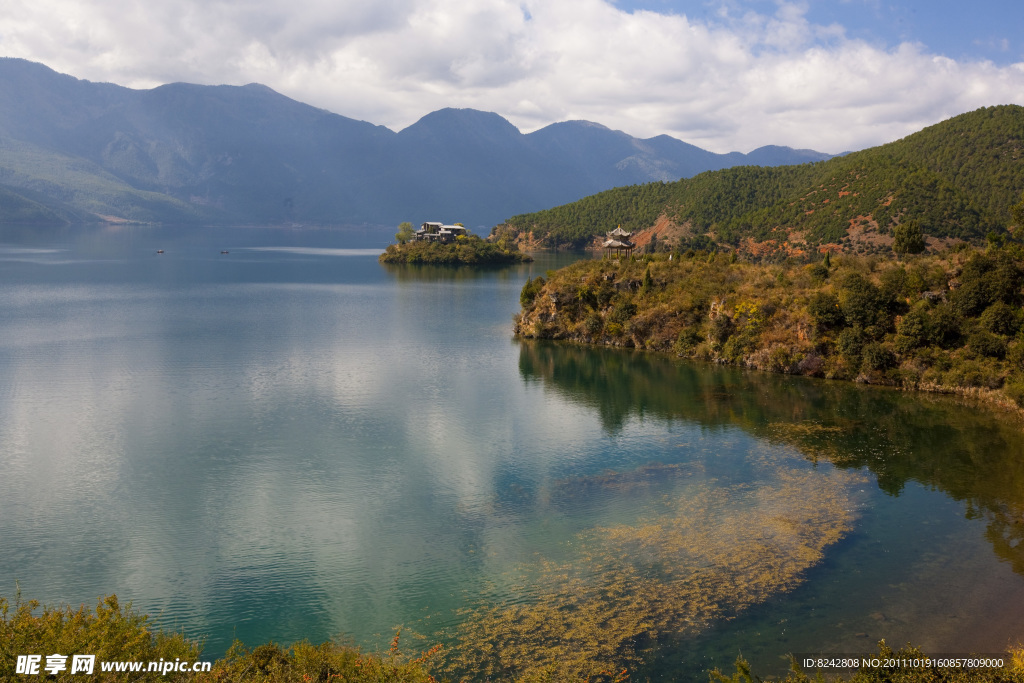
622, 312
877, 357
984, 343
1015, 354
326, 662
687, 342
818, 272
780, 359
111, 632
913, 329
720, 328
1014, 389
850, 341
530, 291
825, 310
986, 280
944, 326
896, 286
860, 300
1001, 318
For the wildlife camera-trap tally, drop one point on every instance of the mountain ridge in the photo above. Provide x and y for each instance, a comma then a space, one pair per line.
184, 152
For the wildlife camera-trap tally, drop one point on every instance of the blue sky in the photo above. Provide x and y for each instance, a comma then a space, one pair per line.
979, 30
831, 75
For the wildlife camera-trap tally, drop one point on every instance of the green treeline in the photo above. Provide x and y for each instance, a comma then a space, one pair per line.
948, 322
956, 178
465, 250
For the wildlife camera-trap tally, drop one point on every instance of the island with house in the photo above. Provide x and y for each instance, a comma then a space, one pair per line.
440, 244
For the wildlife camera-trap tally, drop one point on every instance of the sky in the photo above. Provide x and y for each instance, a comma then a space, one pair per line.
726, 75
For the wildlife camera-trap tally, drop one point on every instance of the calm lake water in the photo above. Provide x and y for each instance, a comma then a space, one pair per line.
292, 441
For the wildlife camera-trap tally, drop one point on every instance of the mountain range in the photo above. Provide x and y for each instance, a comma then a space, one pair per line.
76, 151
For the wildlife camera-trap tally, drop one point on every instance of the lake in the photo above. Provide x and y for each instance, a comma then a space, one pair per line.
291, 441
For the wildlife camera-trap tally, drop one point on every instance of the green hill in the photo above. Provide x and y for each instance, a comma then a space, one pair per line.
957, 178
18, 209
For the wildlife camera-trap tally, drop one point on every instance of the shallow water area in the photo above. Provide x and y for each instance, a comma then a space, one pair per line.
289, 440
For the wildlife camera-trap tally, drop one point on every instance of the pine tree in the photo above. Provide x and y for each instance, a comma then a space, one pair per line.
645, 286
907, 238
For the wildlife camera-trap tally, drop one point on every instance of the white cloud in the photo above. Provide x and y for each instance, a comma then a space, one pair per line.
749, 79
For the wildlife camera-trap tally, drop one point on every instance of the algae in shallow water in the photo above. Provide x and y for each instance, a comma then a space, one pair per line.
689, 560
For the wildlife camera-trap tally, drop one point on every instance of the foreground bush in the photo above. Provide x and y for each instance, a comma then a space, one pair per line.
114, 632
305, 662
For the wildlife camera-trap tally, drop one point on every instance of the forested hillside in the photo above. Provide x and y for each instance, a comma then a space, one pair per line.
957, 179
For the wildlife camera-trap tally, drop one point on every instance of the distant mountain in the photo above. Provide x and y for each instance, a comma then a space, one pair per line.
957, 179
73, 150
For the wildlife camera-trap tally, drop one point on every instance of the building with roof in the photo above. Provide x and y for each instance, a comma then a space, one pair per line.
618, 241
433, 231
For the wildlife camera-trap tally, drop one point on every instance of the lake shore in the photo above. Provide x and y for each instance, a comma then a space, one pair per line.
949, 323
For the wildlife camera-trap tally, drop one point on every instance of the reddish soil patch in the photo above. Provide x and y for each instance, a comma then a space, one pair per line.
940, 243
768, 248
666, 230
113, 219
864, 230
527, 242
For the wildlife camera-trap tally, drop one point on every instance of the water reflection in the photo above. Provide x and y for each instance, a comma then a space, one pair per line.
291, 441
972, 454
421, 273
697, 550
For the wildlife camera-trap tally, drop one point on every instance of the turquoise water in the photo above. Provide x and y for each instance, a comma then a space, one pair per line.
291, 441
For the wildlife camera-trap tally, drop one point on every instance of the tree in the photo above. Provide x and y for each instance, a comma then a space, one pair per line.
647, 282
1017, 211
907, 238
404, 233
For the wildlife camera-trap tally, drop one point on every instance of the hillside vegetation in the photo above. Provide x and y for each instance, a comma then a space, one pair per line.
467, 250
947, 322
955, 178
16, 208
114, 632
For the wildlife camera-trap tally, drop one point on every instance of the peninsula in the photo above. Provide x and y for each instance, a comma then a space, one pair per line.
949, 321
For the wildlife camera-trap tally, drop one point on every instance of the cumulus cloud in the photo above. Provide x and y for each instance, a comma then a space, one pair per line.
735, 82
